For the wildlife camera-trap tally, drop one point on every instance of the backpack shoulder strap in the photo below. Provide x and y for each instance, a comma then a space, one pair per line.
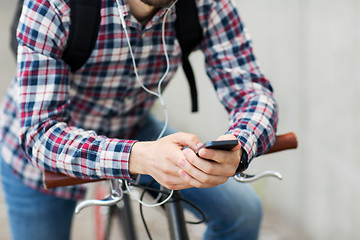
189, 35
85, 23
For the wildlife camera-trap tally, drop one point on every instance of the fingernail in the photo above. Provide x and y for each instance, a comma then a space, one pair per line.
205, 153
182, 173
185, 151
182, 163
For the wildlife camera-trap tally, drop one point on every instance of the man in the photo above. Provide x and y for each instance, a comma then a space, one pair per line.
84, 123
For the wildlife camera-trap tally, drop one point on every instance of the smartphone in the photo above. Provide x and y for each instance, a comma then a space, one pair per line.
226, 145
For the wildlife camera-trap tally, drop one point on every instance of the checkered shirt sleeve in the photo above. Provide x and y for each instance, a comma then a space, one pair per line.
236, 75
43, 79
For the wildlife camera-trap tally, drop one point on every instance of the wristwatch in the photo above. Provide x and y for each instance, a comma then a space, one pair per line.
243, 165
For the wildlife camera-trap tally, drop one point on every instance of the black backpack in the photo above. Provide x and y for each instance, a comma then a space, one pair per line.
82, 38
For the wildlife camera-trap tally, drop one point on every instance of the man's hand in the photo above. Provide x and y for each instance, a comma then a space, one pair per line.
212, 168
160, 159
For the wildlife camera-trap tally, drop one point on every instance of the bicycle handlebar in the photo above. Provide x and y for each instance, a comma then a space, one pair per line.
51, 179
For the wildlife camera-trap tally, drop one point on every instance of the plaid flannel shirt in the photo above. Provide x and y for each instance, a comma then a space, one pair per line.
81, 123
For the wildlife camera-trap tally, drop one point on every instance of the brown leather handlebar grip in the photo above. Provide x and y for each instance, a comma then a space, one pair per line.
51, 179
284, 142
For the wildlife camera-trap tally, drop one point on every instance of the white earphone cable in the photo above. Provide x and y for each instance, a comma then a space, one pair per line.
157, 94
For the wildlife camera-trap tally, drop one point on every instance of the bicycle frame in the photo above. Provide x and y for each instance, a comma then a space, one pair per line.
176, 219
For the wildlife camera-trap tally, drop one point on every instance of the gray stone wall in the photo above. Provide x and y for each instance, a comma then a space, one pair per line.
310, 52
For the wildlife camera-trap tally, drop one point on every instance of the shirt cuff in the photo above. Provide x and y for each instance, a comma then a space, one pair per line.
248, 144
114, 159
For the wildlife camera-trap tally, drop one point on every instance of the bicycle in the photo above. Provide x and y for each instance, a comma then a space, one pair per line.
172, 204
